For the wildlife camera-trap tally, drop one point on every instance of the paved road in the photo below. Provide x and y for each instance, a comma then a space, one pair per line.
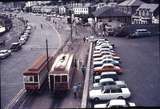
13, 67
140, 60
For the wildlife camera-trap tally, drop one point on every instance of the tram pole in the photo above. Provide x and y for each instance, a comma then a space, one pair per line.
47, 55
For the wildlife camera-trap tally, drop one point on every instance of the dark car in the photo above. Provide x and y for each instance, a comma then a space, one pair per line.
15, 46
140, 33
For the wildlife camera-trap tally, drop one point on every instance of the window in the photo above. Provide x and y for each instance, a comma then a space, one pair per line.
35, 78
57, 78
64, 78
106, 91
30, 78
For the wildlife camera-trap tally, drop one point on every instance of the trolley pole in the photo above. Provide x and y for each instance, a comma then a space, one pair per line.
47, 55
71, 24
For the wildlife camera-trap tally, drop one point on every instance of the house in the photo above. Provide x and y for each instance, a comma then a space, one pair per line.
130, 6
80, 8
145, 14
62, 9
106, 14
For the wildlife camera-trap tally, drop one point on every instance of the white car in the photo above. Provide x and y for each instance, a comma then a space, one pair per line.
107, 60
110, 74
103, 50
25, 37
4, 53
108, 93
107, 57
115, 103
104, 53
104, 45
22, 40
108, 82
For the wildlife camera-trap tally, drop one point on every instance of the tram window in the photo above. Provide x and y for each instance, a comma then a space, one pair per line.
57, 78
64, 78
30, 78
35, 79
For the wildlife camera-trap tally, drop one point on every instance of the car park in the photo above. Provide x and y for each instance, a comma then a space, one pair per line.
108, 93
107, 67
4, 53
109, 82
15, 46
110, 74
115, 103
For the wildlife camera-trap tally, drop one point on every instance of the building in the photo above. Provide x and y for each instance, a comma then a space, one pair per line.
106, 14
62, 9
130, 6
80, 8
145, 14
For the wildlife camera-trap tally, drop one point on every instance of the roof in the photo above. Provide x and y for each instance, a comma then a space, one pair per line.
151, 7
109, 12
38, 65
131, 3
62, 63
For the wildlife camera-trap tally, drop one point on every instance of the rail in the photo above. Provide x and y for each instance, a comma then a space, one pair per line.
86, 82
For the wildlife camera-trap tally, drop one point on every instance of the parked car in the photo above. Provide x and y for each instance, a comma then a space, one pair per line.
22, 40
107, 60
108, 93
115, 103
4, 53
25, 37
140, 33
107, 67
104, 53
103, 49
15, 46
106, 57
112, 75
109, 82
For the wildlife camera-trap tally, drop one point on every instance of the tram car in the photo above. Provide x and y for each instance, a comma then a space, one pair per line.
61, 73
35, 76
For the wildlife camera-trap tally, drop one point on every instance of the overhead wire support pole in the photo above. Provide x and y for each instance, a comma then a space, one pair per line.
47, 55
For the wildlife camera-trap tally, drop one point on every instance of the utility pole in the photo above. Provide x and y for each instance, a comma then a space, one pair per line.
47, 55
71, 24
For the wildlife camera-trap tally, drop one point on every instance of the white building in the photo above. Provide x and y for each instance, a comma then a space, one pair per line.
145, 14
80, 8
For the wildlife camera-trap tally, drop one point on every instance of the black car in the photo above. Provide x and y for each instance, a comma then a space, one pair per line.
15, 46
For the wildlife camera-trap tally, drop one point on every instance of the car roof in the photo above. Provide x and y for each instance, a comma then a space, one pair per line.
108, 73
118, 102
15, 43
106, 80
3, 50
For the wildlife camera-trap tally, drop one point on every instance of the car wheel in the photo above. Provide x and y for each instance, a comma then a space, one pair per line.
96, 99
120, 97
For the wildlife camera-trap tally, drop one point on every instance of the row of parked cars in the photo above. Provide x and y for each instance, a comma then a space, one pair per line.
106, 85
17, 45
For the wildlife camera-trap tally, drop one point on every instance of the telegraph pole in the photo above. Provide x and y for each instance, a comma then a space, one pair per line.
47, 55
